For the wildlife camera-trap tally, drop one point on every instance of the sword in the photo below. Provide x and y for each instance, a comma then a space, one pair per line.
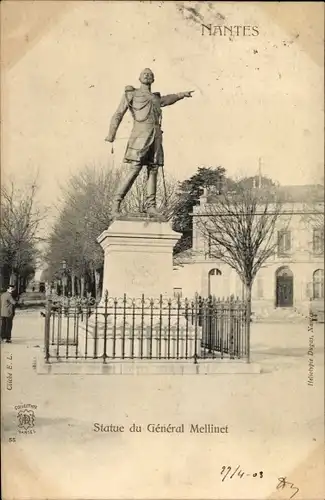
164, 184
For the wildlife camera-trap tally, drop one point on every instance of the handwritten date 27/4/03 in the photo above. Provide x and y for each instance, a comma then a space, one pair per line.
227, 471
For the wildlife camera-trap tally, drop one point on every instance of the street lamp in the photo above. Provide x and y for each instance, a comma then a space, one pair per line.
64, 276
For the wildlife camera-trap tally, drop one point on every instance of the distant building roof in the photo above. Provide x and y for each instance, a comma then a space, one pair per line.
309, 193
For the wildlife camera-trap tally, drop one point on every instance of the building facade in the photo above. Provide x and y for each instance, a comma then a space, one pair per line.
292, 276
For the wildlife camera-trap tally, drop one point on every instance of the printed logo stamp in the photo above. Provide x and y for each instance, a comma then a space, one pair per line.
26, 418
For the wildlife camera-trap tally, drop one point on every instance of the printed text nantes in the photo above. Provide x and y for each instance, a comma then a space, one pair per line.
235, 30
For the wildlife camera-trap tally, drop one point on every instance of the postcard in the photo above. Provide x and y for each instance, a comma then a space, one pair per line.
162, 250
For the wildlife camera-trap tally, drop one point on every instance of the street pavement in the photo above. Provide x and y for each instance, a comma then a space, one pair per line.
274, 425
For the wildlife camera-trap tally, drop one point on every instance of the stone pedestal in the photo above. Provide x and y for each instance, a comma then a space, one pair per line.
138, 257
138, 262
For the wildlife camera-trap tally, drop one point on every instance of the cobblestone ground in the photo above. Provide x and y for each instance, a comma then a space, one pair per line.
274, 419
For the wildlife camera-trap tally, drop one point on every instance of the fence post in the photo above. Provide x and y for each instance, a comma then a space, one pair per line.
208, 325
105, 326
214, 327
197, 321
47, 329
231, 326
96, 331
124, 325
248, 325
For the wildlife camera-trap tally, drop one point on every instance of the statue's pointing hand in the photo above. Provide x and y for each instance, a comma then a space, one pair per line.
188, 93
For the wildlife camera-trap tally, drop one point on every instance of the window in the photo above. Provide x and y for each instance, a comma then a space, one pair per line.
284, 242
318, 241
215, 283
318, 284
215, 272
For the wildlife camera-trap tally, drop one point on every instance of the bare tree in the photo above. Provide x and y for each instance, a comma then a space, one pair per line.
84, 213
314, 208
240, 229
21, 217
166, 194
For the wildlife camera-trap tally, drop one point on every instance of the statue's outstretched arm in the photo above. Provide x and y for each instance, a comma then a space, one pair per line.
116, 119
168, 100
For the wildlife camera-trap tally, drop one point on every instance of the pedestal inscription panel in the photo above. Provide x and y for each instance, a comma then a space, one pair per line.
138, 258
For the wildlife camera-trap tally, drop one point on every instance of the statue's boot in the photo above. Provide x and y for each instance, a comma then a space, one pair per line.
152, 191
124, 188
116, 207
153, 211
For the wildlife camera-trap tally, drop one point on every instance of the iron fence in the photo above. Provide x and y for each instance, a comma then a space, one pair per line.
152, 329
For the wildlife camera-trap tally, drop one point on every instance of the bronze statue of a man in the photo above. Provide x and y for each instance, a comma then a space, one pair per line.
144, 147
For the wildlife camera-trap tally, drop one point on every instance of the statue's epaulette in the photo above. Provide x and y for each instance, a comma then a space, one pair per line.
129, 88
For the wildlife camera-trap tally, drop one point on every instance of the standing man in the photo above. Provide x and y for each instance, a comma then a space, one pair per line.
7, 312
145, 143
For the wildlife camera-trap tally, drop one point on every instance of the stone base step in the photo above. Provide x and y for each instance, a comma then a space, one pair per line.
144, 367
279, 315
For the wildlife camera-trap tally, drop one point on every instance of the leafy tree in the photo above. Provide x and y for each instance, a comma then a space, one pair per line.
189, 194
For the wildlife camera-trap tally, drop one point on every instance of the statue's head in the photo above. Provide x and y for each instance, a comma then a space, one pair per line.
147, 76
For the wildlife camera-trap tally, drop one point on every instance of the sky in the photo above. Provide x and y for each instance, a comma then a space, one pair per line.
255, 97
